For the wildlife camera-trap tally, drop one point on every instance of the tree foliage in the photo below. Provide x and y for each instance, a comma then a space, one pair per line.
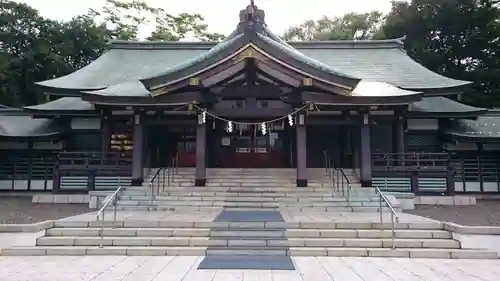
457, 38
125, 20
33, 48
350, 26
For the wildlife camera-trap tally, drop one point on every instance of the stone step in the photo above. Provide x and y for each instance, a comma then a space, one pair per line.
188, 207
257, 179
202, 251
219, 239
183, 201
246, 198
302, 226
245, 191
241, 203
236, 189
235, 227
288, 186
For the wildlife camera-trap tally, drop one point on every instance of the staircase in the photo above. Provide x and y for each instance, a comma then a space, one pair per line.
346, 239
249, 213
249, 190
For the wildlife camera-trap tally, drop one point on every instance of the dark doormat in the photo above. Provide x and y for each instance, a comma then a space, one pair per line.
249, 216
247, 262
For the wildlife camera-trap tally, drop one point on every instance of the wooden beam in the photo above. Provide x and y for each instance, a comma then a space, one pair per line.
224, 75
279, 75
251, 112
204, 75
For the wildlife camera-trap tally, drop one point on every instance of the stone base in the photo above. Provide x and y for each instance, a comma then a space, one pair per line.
61, 198
200, 182
445, 200
366, 183
301, 183
137, 182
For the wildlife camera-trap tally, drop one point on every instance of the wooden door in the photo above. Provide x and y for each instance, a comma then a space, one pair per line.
252, 150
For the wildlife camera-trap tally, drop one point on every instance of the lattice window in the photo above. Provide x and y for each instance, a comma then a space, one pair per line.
88, 141
423, 142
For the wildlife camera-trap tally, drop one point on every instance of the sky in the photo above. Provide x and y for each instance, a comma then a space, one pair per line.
222, 15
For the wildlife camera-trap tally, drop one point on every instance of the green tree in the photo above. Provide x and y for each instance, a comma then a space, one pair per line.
125, 20
457, 38
35, 49
350, 26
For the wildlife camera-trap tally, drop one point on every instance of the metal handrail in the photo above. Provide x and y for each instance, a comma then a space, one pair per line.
328, 170
152, 181
168, 176
345, 179
102, 211
337, 178
393, 214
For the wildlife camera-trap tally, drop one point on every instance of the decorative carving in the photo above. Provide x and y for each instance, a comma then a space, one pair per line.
252, 18
307, 81
250, 53
194, 81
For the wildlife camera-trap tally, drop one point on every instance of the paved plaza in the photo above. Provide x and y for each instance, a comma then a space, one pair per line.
94, 268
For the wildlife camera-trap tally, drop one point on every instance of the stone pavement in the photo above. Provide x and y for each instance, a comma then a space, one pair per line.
94, 268
209, 216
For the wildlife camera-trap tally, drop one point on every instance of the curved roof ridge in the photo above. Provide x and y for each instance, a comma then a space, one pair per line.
303, 58
206, 45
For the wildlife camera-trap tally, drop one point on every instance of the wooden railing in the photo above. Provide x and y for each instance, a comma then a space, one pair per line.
429, 173
29, 172
410, 162
94, 160
477, 173
90, 165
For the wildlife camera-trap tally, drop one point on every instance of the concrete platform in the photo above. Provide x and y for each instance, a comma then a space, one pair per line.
174, 268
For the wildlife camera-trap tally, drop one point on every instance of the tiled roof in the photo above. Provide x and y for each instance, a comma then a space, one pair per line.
26, 126
62, 104
371, 60
485, 127
436, 105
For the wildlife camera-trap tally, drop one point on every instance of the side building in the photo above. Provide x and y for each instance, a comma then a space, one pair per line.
252, 101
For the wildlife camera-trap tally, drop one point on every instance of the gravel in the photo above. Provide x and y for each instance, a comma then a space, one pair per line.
19, 210
485, 212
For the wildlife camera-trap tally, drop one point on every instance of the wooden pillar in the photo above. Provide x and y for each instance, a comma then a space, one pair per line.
366, 153
56, 180
138, 151
201, 145
105, 135
398, 134
479, 163
30, 164
301, 152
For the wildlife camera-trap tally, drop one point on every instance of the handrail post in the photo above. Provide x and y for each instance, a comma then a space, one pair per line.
114, 212
380, 210
101, 230
393, 232
349, 194
176, 162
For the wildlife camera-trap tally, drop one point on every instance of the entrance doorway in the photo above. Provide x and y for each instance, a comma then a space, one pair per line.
247, 147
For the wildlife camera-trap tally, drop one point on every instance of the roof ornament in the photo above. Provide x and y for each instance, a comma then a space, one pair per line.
252, 17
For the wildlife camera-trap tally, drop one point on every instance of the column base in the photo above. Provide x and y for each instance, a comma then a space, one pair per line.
137, 182
301, 183
200, 182
366, 183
